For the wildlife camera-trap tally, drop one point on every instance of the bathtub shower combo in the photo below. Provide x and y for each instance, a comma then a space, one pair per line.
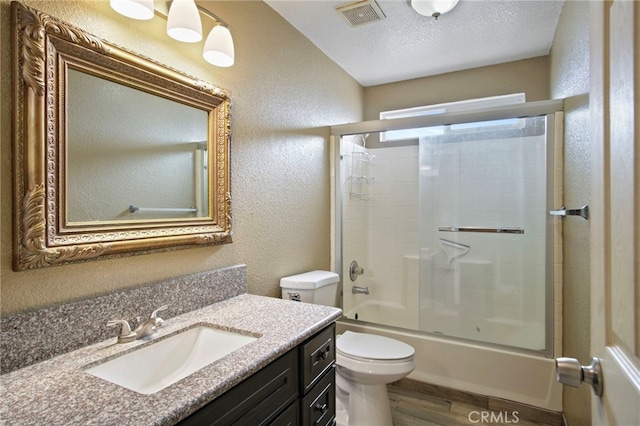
444, 240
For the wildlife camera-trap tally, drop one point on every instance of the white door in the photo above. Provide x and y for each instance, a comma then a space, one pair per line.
615, 209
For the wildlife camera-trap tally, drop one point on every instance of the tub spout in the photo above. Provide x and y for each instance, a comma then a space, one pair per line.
359, 290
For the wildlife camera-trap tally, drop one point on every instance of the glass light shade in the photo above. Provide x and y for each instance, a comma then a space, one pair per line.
183, 22
218, 49
433, 7
135, 9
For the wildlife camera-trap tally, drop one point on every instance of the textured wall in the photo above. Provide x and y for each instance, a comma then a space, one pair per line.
570, 80
284, 94
530, 76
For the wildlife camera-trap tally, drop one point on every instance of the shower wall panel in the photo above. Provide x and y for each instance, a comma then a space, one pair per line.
381, 234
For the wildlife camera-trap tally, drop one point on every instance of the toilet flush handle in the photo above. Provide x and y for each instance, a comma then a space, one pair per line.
294, 296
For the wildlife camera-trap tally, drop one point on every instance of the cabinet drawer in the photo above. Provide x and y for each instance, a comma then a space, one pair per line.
255, 401
290, 416
319, 405
317, 356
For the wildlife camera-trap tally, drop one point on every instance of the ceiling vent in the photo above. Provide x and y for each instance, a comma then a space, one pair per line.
361, 12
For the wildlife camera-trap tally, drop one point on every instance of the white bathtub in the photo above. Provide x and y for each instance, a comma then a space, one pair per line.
472, 367
388, 313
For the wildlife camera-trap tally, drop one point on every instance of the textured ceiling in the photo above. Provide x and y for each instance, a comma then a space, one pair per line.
407, 45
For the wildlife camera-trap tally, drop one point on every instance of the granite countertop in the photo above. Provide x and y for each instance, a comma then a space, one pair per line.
58, 391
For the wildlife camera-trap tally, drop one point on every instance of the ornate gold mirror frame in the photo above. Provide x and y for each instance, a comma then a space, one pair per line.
44, 49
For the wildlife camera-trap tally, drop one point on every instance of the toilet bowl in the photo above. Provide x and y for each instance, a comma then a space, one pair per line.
365, 363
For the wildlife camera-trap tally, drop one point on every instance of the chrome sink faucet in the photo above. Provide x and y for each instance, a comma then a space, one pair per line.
144, 329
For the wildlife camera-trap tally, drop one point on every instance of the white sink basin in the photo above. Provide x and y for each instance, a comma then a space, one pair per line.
154, 367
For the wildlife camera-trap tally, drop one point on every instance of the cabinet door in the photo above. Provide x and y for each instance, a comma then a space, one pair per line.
257, 400
289, 417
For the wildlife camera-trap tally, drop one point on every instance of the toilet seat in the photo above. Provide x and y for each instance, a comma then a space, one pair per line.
369, 347
365, 364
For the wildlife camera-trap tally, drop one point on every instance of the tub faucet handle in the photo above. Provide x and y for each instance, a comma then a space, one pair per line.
355, 270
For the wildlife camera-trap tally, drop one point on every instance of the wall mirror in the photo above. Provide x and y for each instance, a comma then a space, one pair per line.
113, 153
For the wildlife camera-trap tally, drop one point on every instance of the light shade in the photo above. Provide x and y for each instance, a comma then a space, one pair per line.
433, 8
136, 9
183, 22
218, 49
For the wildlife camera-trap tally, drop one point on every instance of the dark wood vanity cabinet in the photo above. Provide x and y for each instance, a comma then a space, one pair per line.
296, 389
317, 378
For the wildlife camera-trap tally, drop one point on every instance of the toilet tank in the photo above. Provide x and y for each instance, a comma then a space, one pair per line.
317, 287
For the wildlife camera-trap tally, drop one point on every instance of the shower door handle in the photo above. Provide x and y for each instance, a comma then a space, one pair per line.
570, 372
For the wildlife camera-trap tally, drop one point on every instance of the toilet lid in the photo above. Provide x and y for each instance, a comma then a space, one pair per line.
370, 346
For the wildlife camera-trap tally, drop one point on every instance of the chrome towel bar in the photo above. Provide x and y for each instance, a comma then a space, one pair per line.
477, 229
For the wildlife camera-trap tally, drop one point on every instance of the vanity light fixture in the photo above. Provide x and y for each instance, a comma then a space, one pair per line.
134, 9
218, 49
184, 24
433, 8
183, 21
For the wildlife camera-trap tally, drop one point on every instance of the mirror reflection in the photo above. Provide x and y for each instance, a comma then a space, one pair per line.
132, 155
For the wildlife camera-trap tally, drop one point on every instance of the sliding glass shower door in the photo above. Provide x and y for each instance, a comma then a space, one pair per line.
450, 226
484, 231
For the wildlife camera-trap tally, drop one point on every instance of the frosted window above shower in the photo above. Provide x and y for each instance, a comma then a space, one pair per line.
460, 106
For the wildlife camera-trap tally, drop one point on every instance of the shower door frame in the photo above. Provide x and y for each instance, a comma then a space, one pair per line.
547, 108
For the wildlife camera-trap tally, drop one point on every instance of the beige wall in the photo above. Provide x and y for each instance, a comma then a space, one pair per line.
570, 80
281, 106
530, 76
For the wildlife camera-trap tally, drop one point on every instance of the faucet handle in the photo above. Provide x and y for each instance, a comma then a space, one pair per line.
158, 322
126, 328
126, 335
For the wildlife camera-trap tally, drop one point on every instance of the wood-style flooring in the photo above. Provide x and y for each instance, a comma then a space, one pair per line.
411, 408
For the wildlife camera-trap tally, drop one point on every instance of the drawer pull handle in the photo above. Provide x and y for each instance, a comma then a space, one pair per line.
322, 408
324, 354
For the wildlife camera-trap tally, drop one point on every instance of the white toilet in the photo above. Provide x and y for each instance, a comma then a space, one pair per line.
366, 363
